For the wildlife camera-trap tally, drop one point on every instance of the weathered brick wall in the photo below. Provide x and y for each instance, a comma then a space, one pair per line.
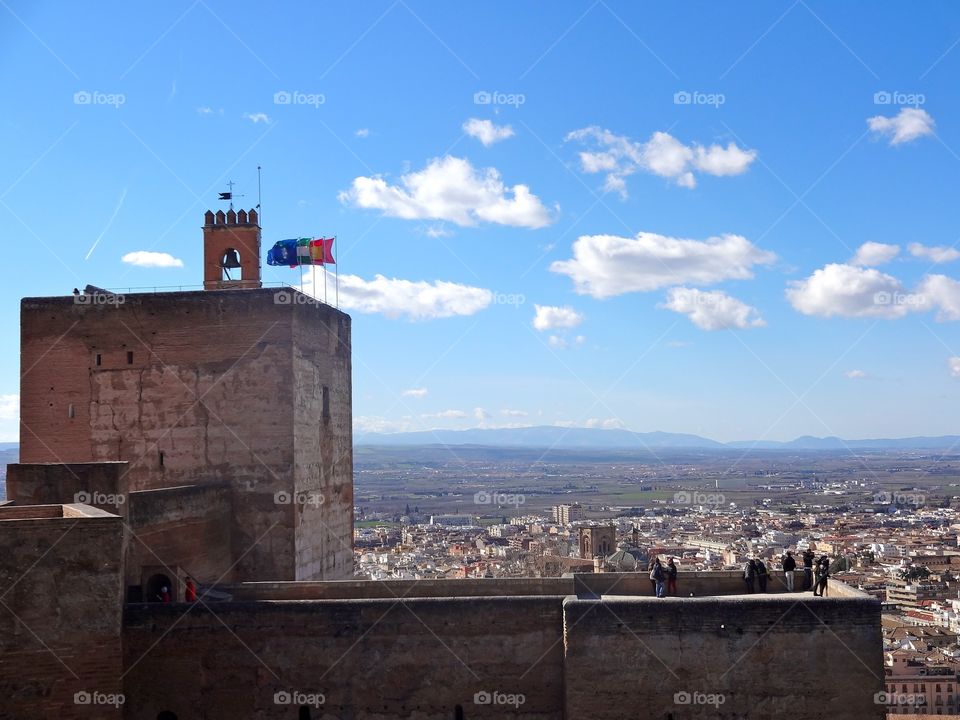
95, 484
370, 659
208, 394
768, 657
60, 614
189, 527
323, 443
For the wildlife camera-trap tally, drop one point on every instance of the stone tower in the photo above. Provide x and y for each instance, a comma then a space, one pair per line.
244, 387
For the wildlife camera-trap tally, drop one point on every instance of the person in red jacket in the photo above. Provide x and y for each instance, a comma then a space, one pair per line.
190, 594
165, 594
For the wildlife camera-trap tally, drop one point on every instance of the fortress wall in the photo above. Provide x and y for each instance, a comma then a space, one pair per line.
769, 657
189, 527
700, 584
60, 612
191, 388
370, 659
96, 484
323, 442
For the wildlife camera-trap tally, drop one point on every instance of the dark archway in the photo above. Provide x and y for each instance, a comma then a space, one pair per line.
304, 713
153, 592
167, 715
458, 712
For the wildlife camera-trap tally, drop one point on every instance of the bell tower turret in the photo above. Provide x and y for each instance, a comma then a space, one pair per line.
231, 250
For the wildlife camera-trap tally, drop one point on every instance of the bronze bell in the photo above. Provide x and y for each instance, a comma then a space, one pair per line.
230, 260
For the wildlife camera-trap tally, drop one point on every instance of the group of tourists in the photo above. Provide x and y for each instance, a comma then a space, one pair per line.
815, 572
663, 578
756, 574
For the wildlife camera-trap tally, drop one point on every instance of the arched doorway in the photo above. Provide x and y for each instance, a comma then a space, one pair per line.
167, 715
153, 592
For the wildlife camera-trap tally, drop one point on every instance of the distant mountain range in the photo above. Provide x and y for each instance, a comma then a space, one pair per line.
580, 438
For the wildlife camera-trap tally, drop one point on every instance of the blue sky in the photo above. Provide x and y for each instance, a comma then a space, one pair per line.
684, 193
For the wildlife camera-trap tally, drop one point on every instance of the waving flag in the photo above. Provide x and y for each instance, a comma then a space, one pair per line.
321, 251
301, 251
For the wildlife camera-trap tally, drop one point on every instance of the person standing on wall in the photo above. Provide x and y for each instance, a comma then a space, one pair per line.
657, 575
823, 574
750, 574
671, 577
190, 592
789, 565
762, 575
650, 566
808, 557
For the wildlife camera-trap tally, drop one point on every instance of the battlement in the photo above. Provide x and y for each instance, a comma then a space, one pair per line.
243, 217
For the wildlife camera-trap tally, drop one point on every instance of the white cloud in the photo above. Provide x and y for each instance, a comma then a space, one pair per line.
205, 110
909, 124
146, 258
608, 265
481, 415
619, 157
954, 364
362, 132
849, 291
9, 407
557, 342
941, 292
450, 188
513, 413
874, 253
939, 254
438, 231
855, 374
486, 132
257, 117
415, 393
606, 424
549, 317
447, 415
713, 310
375, 424
414, 300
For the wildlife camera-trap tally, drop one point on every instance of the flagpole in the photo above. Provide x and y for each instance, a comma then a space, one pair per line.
336, 270
325, 276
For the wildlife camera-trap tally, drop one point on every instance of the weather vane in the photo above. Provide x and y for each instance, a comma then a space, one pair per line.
228, 196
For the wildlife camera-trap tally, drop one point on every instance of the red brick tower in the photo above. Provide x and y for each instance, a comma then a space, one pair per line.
231, 250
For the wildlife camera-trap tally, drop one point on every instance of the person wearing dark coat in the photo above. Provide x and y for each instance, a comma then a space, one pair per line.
750, 574
657, 575
789, 566
808, 558
762, 575
671, 577
823, 574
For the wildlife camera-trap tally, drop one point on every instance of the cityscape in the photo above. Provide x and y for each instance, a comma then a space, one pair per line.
592, 360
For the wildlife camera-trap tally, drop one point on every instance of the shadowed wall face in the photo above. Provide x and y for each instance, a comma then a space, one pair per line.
757, 658
60, 612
